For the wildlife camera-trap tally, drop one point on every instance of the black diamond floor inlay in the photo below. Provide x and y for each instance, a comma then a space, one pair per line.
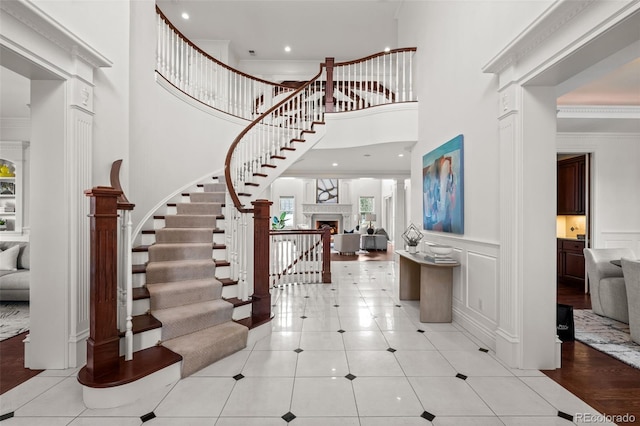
306, 297
350, 376
298, 350
238, 377
336, 306
303, 317
288, 417
483, 350
383, 289
6, 416
148, 416
398, 306
391, 350
565, 416
420, 331
341, 331
428, 416
461, 376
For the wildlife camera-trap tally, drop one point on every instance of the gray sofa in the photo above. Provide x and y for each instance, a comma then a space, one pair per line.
376, 241
14, 284
606, 282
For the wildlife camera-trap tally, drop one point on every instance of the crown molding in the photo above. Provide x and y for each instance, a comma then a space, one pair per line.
599, 111
550, 21
37, 20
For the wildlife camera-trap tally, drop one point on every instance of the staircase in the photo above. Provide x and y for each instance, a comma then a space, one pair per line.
184, 278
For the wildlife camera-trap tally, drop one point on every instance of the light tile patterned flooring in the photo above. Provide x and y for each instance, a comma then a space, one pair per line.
346, 353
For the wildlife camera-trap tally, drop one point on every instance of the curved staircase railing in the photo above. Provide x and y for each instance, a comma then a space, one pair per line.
206, 79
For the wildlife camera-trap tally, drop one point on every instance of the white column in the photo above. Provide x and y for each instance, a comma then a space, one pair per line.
525, 337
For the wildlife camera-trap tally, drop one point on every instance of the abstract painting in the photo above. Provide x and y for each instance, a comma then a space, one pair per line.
443, 187
327, 191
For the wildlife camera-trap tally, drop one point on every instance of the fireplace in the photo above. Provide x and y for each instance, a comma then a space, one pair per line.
333, 224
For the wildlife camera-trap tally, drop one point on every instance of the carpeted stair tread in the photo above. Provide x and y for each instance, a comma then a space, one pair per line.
201, 208
172, 294
207, 346
179, 270
207, 197
184, 235
215, 187
186, 319
162, 252
191, 221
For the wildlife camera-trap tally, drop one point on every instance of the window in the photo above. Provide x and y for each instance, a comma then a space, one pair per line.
366, 206
287, 205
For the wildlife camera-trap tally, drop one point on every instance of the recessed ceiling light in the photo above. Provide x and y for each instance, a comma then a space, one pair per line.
387, 49
185, 15
400, 155
287, 48
335, 164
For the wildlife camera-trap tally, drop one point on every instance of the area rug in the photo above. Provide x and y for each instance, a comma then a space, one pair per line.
14, 319
606, 335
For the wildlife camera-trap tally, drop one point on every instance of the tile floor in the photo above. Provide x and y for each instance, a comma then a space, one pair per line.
348, 353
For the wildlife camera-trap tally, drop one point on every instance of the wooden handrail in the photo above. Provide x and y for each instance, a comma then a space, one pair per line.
375, 55
227, 163
123, 202
211, 58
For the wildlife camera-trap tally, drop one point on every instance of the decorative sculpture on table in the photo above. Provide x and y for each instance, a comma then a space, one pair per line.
412, 237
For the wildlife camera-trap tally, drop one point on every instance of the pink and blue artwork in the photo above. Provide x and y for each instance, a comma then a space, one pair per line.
443, 187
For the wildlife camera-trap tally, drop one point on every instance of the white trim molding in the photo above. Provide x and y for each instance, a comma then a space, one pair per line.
599, 111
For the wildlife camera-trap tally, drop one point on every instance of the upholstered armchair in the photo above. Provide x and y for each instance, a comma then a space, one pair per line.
346, 243
631, 271
606, 282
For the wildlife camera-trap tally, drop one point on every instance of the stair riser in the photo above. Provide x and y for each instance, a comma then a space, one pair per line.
242, 312
162, 275
139, 257
219, 238
140, 306
223, 271
138, 280
161, 223
230, 291
143, 340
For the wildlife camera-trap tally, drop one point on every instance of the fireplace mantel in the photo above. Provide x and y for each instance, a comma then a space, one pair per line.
311, 209
340, 212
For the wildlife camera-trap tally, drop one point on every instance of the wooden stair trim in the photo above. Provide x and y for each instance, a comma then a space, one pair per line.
145, 248
252, 184
287, 148
272, 166
249, 323
221, 263
141, 248
260, 174
227, 281
142, 323
244, 194
144, 363
298, 140
153, 231
140, 293
279, 157
237, 302
139, 269
163, 216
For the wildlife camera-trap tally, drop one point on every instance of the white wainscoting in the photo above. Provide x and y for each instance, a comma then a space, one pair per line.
475, 285
621, 239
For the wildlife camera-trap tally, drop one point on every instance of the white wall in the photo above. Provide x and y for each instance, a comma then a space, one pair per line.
615, 179
457, 98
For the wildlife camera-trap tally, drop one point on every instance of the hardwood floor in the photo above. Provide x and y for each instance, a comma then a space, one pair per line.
12, 371
608, 385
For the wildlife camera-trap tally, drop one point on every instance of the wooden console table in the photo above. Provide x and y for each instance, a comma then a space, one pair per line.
428, 282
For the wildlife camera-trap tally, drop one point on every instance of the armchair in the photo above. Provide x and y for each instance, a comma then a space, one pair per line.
631, 272
606, 282
346, 243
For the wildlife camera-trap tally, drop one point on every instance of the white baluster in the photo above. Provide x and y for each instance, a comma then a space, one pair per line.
128, 337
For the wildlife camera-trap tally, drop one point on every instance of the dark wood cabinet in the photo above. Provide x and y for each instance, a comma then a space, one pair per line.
572, 186
571, 261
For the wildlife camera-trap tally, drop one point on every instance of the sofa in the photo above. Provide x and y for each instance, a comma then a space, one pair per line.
14, 271
376, 241
346, 243
631, 272
606, 282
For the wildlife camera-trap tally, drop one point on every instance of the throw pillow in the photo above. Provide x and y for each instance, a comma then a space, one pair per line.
9, 259
381, 231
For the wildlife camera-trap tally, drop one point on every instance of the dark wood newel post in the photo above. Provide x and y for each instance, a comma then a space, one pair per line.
326, 256
261, 298
328, 91
103, 344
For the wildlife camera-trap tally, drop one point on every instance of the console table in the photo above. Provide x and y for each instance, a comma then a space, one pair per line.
429, 282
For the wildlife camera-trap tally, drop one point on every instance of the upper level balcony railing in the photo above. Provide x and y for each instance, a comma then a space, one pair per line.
201, 76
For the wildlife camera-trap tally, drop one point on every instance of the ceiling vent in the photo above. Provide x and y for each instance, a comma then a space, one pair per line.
252, 52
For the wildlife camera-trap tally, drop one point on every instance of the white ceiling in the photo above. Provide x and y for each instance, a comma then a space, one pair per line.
337, 29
